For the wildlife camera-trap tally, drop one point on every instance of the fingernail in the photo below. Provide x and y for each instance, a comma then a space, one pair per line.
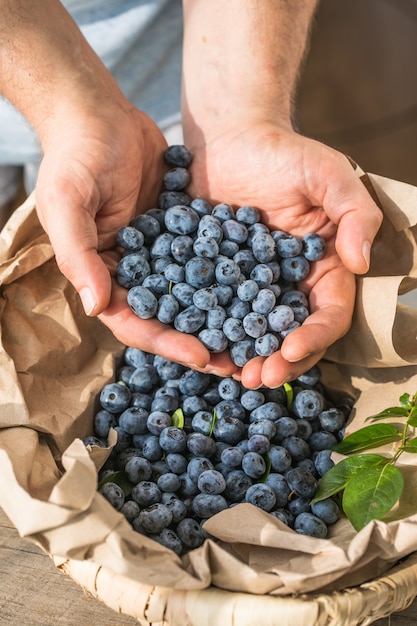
366, 253
88, 300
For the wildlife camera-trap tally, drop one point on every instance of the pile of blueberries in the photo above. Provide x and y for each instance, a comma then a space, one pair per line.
214, 272
190, 445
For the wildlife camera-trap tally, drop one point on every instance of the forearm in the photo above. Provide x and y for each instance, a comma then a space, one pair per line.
243, 58
47, 68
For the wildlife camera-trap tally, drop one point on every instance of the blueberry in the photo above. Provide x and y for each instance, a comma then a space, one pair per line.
168, 482
253, 464
177, 179
113, 494
262, 496
216, 317
155, 518
270, 410
229, 389
103, 421
144, 378
193, 404
227, 272
229, 429
262, 274
148, 225
224, 294
149, 446
267, 344
161, 245
255, 324
183, 293
310, 524
132, 269
176, 462
181, 220
314, 246
321, 440
295, 268
261, 427
237, 308
135, 357
178, 155
308, 403
248, 290
174, 272
130, 510
201, 206
200, 445
206, 246
198, 465
323, 461
173, 439
258, 443
297, 447
230, 408
223, 212
252, 399
211, 481
169, 199
142, 302
264, 301
130, 238
134, 420
285, 427
237, 483
169, 539
199, 272
235, 231
167, 370
264, 247
206, 505
193, 382
248, 215
210, 227
242, 352
115, 397
190, 533
332, 419
298, 504
157, 284
288, 246
301, 482
246, 261
280, 317
280, 458
182, 249
168, 308
157, 421
177, 506
190, 319
294, 298
205, 298
228, 248
327, 510
138, 469
232, 456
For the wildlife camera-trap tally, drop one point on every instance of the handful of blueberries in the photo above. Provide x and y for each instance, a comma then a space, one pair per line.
219, 274
190, 445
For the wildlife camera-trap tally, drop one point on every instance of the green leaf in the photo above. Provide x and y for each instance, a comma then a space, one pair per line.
121, 479
177, 418
393, 411
289, 393
371, 493
405, 400
213, 422
410, 446
335, 479
268, 465
368, 437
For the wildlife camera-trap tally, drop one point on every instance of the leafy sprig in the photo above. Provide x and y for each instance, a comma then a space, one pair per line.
371, 484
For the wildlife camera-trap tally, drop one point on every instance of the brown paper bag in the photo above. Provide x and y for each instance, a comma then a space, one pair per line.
54, 362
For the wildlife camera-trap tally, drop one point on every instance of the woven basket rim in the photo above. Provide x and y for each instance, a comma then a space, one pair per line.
159, 606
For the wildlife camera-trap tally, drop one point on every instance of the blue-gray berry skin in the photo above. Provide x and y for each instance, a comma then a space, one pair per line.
210, 226
205, 298
190, 320
161, 245
232, 456
155, 518
288, 246
182, 248
248, 215
230, 430
262, 496
264, 301
237, 308
280, 318
148, 225
280, 458
235, 231
168, 308
246, 262
264, 248
262, 274
173, 439
144, 378
178, 155
200, 272
309, 524
115, 397
130, 238
216, 317
308, 403
132, 269
314, 246
211, 481
261, 427
206, 505
167, 199
228, 248
227, 272
327, 510
302, 482
321, 440
157, 284
255, 324
169, 539
242, 351
174, 272
233, 329
142, 302
206, 246
177, 179
252, 399
295, 268
134, 420
332, 419
248, 290
103, 421
253, 464
213, 339
113, 494
138, 469
183, 292
190, 533
267, 344
223, 212
181, 220
201, 206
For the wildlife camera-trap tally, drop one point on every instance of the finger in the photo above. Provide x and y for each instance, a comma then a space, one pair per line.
276, 370
151, 335
351, 207
75, 247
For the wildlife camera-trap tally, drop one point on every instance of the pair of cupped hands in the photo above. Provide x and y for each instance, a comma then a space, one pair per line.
100, 171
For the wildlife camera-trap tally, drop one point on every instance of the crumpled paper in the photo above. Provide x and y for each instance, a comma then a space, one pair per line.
54, 361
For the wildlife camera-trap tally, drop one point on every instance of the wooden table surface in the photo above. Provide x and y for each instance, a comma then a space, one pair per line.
33, 592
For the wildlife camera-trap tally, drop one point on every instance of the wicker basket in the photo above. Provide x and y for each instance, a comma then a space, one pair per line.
159, 606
